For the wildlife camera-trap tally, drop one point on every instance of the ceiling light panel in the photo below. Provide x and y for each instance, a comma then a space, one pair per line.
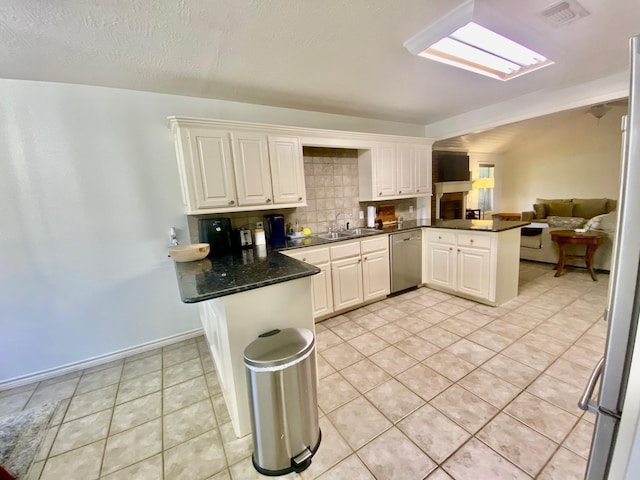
478, 49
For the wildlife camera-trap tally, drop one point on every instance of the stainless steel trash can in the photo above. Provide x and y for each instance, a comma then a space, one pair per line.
283, 400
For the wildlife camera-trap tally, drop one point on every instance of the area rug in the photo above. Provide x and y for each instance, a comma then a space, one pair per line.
21, 435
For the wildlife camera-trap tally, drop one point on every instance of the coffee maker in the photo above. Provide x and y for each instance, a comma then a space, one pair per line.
275, 230
217, 233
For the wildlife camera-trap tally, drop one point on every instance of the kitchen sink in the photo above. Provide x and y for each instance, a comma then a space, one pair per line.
359, 231
350, 233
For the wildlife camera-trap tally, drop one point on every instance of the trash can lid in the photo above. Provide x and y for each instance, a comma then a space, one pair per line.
278, 347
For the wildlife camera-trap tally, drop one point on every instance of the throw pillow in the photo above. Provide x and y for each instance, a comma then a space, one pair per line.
560, 209
565, 222
604, 223
541, 210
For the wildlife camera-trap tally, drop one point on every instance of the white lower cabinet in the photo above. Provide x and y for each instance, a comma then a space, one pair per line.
483, 266
376, 280
321, 286
351, 273
346, 276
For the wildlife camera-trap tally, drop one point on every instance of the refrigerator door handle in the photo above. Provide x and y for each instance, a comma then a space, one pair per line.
585, 402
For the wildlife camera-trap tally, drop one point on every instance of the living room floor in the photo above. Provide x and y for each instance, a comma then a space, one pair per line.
420, 385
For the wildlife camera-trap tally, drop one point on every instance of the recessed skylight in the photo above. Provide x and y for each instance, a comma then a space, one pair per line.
478, 49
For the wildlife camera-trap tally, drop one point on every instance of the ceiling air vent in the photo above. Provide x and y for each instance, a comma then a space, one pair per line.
563, 13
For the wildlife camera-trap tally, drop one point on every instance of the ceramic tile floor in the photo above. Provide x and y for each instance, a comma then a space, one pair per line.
421, 385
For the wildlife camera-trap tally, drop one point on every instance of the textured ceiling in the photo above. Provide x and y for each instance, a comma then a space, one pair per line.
502, 139
337, 56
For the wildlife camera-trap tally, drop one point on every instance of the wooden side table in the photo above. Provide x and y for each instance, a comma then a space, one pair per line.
506, 216
592, 240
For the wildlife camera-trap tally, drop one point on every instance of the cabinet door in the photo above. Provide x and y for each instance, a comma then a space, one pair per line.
346, 277
211, 168
287, 170
423, 169
441, 265
375, 275
321, 291
474, 271
385, 168
252, 174
406, 169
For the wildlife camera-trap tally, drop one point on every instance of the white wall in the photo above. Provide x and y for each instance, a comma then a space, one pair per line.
88, 190
579, 158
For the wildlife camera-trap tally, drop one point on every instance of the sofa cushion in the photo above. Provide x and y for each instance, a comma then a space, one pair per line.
531, 242
560, 209
604, 223
589, 207
553, 200
540, 209
611, 204
565, 222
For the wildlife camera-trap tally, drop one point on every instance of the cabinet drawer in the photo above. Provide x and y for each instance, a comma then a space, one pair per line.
441, 236
314, 256
474, 240
374, 244
345, 250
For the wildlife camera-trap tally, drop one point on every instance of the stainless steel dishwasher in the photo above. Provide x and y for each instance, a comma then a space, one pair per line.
406, 259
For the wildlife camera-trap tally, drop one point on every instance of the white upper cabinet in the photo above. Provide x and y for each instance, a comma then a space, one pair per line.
228, 166
207, 168
395, 170
287, 170
423, 169
253, 174
238, 169
406, 170
386, 170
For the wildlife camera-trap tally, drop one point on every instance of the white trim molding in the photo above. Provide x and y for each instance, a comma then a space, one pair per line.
95, 361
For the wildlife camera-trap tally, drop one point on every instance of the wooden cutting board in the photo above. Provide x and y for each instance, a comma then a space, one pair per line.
387, 213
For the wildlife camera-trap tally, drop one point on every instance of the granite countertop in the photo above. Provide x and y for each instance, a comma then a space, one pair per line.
253, 268
479, 225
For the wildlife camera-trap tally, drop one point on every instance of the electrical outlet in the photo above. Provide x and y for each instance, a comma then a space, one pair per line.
259, 225
361, 215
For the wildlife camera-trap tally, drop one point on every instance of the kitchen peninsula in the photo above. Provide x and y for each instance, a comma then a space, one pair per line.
248, 293
241, 296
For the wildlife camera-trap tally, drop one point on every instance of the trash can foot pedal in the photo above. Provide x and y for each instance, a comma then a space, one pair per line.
302, 459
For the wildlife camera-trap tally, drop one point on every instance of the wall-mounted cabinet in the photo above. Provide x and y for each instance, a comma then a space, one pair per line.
237, 170
395, 170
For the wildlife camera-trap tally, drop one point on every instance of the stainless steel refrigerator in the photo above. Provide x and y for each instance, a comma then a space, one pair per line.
623, 303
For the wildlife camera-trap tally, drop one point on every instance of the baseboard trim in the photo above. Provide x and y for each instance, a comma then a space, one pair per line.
99, 360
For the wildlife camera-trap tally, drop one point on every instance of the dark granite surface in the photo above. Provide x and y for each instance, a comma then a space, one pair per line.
219, 276
246, 270
479, 225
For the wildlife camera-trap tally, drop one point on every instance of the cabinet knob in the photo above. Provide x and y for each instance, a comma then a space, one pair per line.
471, 241
399, 192
364, 258
304, 259
417, 189
450, 248
359, 260
439, 237
268, 200
299, 199
232, 202
458, 250
380, 193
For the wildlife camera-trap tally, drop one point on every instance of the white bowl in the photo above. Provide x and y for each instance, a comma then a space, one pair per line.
189, 253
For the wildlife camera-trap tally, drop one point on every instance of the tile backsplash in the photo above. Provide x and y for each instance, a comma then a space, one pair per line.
331, 181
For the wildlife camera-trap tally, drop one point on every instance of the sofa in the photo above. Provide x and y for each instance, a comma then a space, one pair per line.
598, 214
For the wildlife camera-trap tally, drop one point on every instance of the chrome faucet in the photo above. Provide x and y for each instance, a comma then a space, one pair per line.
173, 237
